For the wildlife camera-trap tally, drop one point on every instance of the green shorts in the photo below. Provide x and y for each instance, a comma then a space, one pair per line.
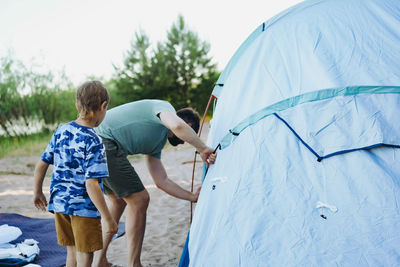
123, 179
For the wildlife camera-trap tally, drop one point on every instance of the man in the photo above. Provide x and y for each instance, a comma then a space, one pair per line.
143, 127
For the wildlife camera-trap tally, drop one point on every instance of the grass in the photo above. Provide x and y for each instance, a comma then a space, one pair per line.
33, 144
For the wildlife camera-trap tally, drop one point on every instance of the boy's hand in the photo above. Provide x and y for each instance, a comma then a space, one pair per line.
40, 202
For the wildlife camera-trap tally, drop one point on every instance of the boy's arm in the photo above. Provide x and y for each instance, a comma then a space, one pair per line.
39, 199
96, 195
162, 181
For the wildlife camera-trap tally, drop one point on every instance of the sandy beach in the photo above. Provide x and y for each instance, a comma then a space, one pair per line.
168, 218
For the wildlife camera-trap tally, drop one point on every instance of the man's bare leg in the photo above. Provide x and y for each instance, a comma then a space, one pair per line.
116, 208
135, 225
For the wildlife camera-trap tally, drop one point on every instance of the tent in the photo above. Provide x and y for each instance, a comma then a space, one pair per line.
307, 124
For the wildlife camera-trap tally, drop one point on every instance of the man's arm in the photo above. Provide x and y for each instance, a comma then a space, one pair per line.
162, 181
186, 133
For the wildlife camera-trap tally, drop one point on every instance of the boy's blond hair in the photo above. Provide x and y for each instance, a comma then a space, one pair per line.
89, 98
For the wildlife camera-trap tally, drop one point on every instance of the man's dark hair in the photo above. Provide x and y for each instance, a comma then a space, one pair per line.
189, 115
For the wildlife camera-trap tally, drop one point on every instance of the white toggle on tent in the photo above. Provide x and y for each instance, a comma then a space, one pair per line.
307, 123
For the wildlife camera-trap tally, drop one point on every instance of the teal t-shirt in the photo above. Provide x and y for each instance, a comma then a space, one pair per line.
136, 126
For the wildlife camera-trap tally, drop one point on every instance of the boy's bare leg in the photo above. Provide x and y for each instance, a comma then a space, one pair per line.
84, 259
116, 208
71, 257
135, 225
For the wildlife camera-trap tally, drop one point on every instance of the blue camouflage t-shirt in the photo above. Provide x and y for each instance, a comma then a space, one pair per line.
76, 153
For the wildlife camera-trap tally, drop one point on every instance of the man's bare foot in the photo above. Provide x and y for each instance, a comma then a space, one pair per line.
104, 263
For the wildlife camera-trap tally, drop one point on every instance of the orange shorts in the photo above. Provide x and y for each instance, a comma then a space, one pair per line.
82, 232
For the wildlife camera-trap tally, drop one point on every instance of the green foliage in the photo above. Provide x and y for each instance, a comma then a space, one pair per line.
115, 98
26, 96
135, 78
201, 93
11, 105
50, 102
178, 70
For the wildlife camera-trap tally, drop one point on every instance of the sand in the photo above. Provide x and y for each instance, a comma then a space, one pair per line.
168, 218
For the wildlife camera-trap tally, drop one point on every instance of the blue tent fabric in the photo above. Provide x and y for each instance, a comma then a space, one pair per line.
307, 123
305, 98
184, 260
313, 46
43, 231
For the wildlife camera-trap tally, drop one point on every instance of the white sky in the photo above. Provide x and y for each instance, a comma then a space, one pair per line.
85, 37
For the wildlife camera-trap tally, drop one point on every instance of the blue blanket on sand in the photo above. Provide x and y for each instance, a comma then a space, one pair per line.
43, 231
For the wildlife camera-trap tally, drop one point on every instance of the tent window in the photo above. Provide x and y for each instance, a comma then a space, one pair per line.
320, 157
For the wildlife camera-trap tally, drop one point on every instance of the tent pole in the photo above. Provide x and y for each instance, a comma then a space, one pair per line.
195, 154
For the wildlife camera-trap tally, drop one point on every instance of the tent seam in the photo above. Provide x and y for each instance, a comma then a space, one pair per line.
302, 99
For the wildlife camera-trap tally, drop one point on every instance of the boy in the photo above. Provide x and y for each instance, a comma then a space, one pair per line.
79, 164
